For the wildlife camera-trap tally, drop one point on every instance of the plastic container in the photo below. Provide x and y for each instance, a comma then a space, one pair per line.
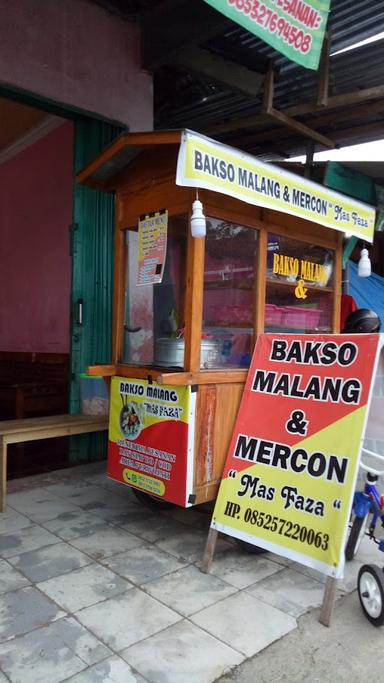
273, 314
94, 395
306, 318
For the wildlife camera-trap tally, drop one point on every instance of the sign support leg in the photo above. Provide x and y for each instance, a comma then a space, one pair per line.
209, 550
328, 601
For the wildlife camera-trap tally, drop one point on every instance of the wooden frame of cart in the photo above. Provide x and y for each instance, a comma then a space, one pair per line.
187, 310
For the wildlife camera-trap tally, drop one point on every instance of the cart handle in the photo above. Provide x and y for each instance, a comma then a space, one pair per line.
370, 469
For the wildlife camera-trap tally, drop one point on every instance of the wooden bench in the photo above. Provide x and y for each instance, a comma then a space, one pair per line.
32, 429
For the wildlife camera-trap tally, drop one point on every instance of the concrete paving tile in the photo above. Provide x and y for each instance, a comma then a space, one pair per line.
189, 590
143, 564
91, 468
348, 582
77, 488
106, 542
308, 571
191, 516
182, 653
21, 500
53, 560
51, 654
190, 544
100, 501
289, 591
83, 587
242, 569
10, 520
79, 492
119, 487
10, 578
39, 504
245, 623
69, 488
117, 509
98, 478
126, 619
24, 610
279, 559
148, 525
111, 670
24, 540
69, 525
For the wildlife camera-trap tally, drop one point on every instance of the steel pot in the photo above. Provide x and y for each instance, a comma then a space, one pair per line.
169, 352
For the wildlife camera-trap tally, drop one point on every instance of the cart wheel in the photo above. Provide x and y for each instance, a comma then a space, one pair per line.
151, 501
370, 586
355, 537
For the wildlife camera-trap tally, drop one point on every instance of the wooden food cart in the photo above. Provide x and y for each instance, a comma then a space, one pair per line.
187, 310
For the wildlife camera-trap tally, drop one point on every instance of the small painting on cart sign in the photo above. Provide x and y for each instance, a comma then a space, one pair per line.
291, 469
151, 434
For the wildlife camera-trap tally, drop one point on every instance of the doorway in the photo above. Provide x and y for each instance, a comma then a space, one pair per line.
49, 258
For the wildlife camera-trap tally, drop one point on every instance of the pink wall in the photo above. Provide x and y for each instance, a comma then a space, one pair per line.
76, 53
35, 270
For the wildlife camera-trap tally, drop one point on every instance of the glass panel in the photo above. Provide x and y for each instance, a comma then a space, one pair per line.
154, 314
299, 294
229, 275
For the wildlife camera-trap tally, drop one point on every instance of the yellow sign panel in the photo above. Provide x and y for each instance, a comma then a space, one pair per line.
291, 469
205, 163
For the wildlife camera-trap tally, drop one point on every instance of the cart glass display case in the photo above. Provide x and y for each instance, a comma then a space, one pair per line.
154, 317
299, 286
229, 291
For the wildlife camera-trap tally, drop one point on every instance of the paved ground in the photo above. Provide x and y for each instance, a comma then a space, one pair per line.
96, 588
344, 653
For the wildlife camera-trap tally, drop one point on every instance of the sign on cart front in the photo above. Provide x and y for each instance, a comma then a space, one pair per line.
151, 438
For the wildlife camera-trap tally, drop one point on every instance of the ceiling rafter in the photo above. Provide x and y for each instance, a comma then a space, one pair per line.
283, 147
221, 70
304, 108
322, 118
287, 120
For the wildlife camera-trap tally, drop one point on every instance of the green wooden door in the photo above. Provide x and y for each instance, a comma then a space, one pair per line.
92, 238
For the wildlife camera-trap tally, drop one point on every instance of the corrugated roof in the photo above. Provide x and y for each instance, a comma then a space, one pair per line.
185, 99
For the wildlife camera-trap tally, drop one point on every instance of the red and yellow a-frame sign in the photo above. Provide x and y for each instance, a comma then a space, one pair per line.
291, 469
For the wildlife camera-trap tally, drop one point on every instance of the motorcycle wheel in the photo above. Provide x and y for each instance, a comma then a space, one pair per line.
356, 535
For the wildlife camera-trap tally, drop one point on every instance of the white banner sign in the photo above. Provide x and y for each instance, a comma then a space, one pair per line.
208, 164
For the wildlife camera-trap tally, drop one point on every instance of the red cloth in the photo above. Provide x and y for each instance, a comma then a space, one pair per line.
348, 305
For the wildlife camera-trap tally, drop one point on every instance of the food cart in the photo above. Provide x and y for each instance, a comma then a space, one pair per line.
187, 309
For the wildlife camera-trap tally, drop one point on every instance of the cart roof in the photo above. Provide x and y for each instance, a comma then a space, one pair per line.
101, 171
254, 181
